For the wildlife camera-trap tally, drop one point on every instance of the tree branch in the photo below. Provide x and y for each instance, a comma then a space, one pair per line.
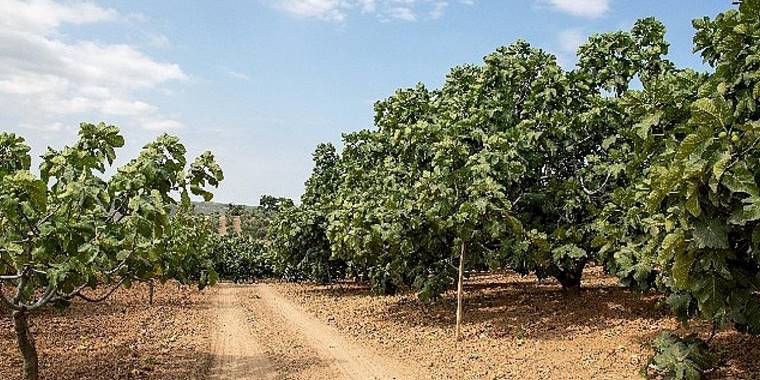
589, 192
44, 299
47, 217
32, 226
5, 300
104, 297
21, 285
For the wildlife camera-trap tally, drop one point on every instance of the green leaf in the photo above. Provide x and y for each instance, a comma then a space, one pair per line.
681, 358
122, 255
691, 143
740, 180
709, 295
710, 112
672, 244
681, 267
645, 126
748, 213
692, 199
719, 168
710, 234
607, 142
680, 304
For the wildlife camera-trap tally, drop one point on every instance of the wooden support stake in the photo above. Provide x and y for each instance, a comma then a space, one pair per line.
460, 291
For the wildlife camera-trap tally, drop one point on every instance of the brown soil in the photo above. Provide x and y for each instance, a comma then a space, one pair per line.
301, 347
237, 355
517, 327
121, 338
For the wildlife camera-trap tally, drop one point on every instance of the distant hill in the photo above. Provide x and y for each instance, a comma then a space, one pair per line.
205, 208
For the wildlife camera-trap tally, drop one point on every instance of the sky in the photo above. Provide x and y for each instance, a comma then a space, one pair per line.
261, 82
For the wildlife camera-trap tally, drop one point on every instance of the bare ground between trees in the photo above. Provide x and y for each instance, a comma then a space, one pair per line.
515, 327
229, 332
295, 344
121, 338
518, 328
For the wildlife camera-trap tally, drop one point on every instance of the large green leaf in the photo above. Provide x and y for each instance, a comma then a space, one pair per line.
710, 112
711, 233
740, 180
749, 212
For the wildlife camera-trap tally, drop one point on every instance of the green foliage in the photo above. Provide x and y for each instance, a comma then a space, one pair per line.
71, 229
240, 258
678, 358
543, 170
14, 154
270, 204
512, 158
527, 165
298, 233
694, 228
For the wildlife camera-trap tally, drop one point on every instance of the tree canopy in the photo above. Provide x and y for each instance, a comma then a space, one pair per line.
71, 229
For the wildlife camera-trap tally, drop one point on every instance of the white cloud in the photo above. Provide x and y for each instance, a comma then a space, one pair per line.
126, 108
161, 124
41, 16
238, 75
385, 10
328, 10
52, 127
583, 8
158, 40
367, 6
570, 39
43, 73
402, 13
439, 7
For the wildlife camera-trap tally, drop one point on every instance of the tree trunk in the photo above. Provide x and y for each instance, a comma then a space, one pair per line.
150, 293
571, 279
460, 291
26, 346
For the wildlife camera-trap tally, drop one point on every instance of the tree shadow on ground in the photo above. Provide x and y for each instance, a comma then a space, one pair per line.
119, 363
116, 304
506, 304
343, 289
545, 311
123, 337
738, 356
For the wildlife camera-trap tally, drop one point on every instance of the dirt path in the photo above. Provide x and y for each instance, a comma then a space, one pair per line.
350, 359
263, 335
237, 355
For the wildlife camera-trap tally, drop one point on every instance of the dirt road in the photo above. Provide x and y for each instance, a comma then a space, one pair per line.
261, 334
237, 355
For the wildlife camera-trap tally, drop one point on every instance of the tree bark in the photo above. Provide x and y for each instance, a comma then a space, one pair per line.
26, 345
460, 291
151, 290
571, 280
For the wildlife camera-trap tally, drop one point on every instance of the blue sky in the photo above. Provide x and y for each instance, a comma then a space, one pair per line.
261, 82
